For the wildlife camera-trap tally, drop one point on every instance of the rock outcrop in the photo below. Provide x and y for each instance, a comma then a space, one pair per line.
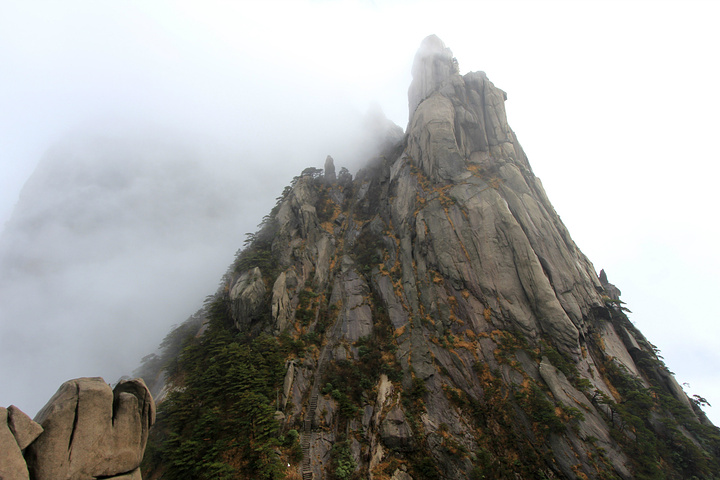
438, 321
434, 64
86, 430
247, 295
329, 170
17, 431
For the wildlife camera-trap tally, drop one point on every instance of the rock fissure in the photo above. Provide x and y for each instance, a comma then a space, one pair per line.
74, 421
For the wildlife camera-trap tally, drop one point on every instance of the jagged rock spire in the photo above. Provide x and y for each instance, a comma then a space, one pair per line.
433, 65
454, 119
330, 169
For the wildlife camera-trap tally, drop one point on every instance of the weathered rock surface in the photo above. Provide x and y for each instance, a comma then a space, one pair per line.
450, 327
611, 290
248, 295
92, 431
329, 170
400, 475
12, 463
395, 431
355, 319
134, 475
592, 425
22, 427
433, 65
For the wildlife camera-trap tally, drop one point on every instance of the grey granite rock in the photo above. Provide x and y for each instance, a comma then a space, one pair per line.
248, 295
446, 257
395, 431
330, 170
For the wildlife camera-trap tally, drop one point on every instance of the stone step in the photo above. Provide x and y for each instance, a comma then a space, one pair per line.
306, 465
310, 415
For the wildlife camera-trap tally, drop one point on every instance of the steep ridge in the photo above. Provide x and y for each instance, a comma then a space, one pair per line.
430, 318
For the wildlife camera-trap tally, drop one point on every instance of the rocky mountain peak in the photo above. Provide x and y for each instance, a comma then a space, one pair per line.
434, 64
429, 318
457, 123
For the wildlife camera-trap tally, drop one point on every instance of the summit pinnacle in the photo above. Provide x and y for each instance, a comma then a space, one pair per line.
433, 65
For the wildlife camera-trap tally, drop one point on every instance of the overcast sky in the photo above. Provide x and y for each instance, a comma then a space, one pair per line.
615, 103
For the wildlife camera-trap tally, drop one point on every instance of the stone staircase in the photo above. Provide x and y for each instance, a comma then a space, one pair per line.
308, 422
307, 473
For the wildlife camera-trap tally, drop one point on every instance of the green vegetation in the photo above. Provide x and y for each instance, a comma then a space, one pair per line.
170, 349
258, 250
369, 250
345, 382
377, 352
648, 447
342, 463
325, 206
307, 306
649, 423
503, 438
291, 347
424, 468
221, 424
540, 410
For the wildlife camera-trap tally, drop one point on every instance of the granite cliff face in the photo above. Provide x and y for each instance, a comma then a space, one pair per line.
429, 318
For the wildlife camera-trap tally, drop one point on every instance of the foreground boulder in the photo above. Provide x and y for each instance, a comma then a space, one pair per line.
91, 430
17, 431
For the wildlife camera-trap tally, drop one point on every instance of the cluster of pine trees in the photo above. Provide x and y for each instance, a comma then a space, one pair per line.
222, 423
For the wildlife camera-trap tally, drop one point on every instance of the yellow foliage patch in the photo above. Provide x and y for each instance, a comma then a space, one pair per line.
576, 470
465, 344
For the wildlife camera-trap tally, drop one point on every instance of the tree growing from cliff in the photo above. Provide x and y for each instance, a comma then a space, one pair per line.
221, 425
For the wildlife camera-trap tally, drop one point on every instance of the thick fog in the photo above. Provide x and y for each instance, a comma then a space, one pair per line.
117, 237
161, 132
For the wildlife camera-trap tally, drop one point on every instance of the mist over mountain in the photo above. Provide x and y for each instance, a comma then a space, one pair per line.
117, 236
614, 104
615, 123
102, 222
98, 198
